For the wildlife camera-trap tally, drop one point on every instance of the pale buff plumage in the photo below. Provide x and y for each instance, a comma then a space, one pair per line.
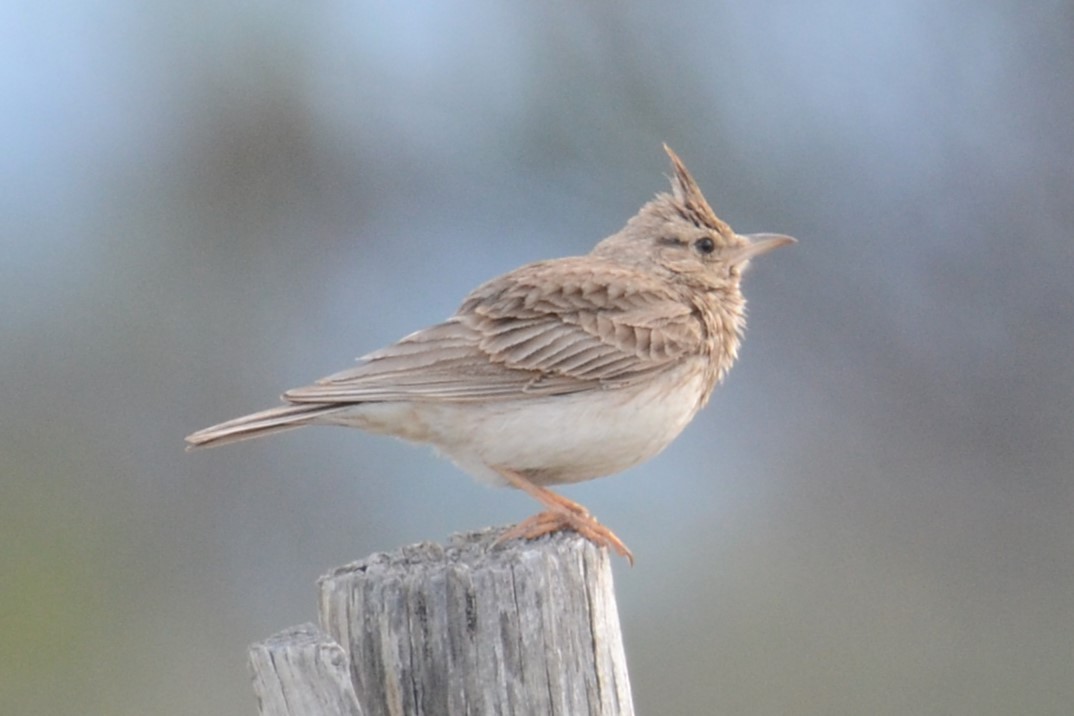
561, 370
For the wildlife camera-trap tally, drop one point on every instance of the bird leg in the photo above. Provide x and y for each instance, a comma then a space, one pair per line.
562, 514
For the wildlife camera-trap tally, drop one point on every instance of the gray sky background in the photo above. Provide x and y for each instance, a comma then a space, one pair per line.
203, 204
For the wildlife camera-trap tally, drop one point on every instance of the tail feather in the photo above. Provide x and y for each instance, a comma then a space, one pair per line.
266, 422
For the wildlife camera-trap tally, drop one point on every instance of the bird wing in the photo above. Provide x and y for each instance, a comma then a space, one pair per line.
549, 328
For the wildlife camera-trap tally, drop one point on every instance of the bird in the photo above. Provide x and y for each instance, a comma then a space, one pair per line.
560, 371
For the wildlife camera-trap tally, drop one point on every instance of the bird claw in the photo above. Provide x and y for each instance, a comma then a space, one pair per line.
577, 520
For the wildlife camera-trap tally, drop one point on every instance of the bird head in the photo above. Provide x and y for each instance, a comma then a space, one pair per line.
680, 234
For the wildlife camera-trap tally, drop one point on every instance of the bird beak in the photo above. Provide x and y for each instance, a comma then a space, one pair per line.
760, 244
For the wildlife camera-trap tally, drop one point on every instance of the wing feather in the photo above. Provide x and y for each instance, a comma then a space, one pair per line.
548, 328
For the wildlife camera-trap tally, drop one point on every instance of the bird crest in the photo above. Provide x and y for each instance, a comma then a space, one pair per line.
688, 199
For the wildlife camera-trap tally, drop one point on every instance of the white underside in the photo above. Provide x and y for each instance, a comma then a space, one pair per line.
551, 439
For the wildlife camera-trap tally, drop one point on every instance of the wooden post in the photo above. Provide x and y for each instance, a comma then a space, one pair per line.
473, 628
301, 671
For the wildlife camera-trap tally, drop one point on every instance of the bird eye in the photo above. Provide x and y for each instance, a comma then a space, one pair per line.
705, 245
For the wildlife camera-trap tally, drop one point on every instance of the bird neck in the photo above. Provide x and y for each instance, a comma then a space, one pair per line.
723, 315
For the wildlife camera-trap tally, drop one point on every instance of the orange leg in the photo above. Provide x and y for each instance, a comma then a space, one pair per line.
562, 514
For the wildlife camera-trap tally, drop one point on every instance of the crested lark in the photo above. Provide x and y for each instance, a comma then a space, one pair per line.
561, 370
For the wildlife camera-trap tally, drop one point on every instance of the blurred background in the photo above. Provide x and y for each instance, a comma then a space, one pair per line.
205, 203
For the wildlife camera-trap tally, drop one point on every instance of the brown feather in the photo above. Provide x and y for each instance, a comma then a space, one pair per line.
544, 329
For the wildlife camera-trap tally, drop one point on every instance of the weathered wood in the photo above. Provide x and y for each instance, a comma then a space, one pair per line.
472, 628
300, 672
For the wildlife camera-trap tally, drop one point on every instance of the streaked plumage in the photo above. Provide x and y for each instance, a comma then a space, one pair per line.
558, 371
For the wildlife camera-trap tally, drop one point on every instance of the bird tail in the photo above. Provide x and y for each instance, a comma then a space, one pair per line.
266, 422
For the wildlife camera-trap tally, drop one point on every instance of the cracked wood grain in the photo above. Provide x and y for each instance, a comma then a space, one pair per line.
469, 628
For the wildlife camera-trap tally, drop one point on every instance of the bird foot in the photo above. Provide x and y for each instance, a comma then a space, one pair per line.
577, 520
